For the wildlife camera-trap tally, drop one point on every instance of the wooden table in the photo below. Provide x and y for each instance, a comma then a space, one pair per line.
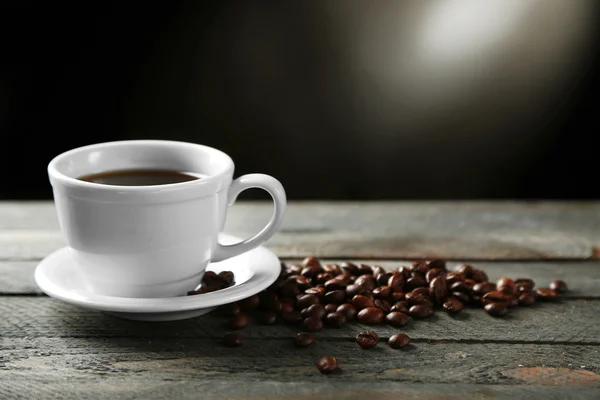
551, 351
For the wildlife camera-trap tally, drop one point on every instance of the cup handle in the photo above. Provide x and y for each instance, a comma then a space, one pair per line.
275, 189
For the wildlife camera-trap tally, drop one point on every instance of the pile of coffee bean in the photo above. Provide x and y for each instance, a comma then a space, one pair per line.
315, 295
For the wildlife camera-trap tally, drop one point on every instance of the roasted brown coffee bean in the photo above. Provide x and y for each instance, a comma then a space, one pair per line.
310, 272
331, 307
496, 309
311, 262
479, 276
424, 290
397, 296
303, 282
353, 290
232, 340
524, 284
367, 339
306, 301
304, 339
209, 276
420, 311
512, 301
366, 281
360, 301
419, 267
463, 297
465, 269
453, 305
333, 269
526, 298
433, 273
336, 297
370, 316
336, 319
348, 310
239, 321
397, 319
414, 298
286, 307
437, 264
350, 267
377, 270
404, 271
544, 294
475, 299
483, 287
460, 287
288, 300
396, 282
364, 269
401, 306
323, 277
292, 317
382, 292
438, 290
335, 284
384, 305
268, 317
312, 324
507, 286
345, 276
327, 365
382, 279
398, 341
295, 269
414, 282
494, 296
559, 286
318, 291
315, 310
289, 288
452, 277
229, 309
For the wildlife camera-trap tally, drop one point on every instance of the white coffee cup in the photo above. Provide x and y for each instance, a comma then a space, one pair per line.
151, 241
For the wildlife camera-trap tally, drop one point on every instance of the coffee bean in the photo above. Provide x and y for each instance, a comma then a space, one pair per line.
479, 276
483, 287
559, 286
209, 276
268, 317
311, 261
433, 273
303, 282
384, 305
398, 341
364, 269
382, 279
414, 282
227, 276
463, 297
336, 319
315, 310
304, 339
526, 298
232, 340
333, 269
306, 301
512, 301
313, 324
397, 296
351, 268
414, 298
524, 284
370, 316
289, 288
286, 307
239, 321
366, 281
377, 270
400, 306
360, 301
507, 286
545, 294
331, 307
494, 296
229, 309
420, 311
295, 269
323, 277
310, 272
452, 277
404, 271
335, 284
327, 365
453, 305
397, 319
460, 287
438, 290
396, 282
424, 290
382, 292
496, 309
318, 291
336, 297
465, 269
292, 317
353, 290
348, 310
270, 301
367, 339
437, 264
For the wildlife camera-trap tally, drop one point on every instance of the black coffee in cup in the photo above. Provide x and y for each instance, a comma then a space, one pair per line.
139, 177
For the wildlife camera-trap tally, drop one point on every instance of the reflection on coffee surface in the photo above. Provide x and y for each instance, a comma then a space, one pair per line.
139, 177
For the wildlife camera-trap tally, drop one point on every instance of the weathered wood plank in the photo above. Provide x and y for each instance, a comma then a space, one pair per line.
403, 230
327, 388
279, 360
574, 321
583, 277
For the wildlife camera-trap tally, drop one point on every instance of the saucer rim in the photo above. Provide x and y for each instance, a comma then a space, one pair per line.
264, 263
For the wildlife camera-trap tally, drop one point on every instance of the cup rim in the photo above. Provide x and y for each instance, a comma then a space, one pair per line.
59, 177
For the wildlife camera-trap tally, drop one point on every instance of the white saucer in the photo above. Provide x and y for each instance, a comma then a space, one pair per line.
58, 277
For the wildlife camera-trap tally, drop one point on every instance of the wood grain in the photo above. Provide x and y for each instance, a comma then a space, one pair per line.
573, 321
583, 277
395, 230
